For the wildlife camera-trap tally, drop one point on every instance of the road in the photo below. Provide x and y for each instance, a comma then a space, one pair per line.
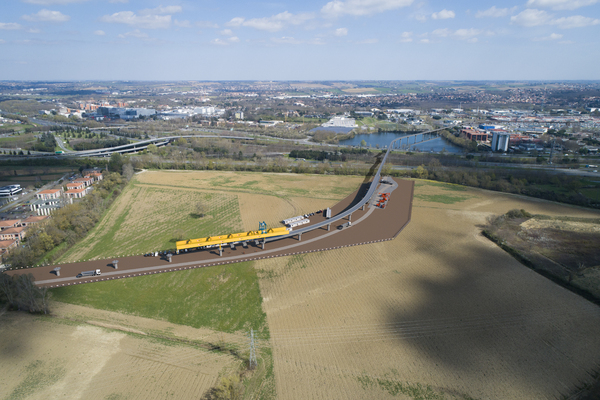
62, 144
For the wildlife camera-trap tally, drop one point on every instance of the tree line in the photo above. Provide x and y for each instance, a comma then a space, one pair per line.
45, 243
21, 293
99, 144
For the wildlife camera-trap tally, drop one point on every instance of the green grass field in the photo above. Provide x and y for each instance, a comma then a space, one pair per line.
146, 219
224, 298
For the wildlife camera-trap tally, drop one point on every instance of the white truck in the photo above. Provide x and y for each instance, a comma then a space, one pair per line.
95, 272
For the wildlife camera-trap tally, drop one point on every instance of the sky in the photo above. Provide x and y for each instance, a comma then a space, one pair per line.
299, 40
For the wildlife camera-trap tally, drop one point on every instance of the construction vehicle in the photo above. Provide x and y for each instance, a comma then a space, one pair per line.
344, 226
218, 241
95, 272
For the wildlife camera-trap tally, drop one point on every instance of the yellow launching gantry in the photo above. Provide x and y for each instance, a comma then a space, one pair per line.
212, 241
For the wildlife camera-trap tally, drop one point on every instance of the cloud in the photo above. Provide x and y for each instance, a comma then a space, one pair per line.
444, 14
442, 32
145, 21
406, 37
99, 33
575, 21
9, 26
226, 32
207, 24
225, 42
561, 4
119, 1
136, 34
51, 2
182, 24
160, 10
495, 12
469, 35
2, 41
286, 40
47, 16
341, 32
273, 23
33, 30
533, 17
338, 8
421, 17
553, 36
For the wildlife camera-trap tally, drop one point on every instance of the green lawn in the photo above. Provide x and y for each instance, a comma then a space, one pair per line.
225, 298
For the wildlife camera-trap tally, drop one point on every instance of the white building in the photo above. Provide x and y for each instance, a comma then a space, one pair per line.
500, 141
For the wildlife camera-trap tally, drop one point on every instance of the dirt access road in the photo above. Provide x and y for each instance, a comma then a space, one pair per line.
370, 225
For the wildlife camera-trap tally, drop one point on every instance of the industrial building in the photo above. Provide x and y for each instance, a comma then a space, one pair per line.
500, 141
121, 113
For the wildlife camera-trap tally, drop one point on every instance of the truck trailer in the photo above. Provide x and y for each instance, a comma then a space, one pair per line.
89, 273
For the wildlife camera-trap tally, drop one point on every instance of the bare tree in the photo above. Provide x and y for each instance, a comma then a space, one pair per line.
128, 171
201, 209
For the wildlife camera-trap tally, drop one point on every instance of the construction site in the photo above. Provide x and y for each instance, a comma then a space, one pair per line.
379, 217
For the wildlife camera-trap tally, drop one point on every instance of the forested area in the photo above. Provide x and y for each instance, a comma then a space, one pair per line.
45, 142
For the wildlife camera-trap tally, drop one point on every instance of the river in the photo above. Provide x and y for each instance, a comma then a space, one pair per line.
383, 139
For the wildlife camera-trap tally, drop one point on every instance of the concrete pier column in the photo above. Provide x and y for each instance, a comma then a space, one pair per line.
299, 237
220, 251
328, 227
349, 217
263, 244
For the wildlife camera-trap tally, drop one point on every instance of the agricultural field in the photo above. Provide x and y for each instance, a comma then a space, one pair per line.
179, 331
23, 141
438, 313
82, 353
159, 207
30, 176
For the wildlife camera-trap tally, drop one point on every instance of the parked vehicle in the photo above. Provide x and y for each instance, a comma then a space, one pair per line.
346, 225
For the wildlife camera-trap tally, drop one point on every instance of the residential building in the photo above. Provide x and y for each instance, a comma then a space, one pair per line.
33, 220
76, 193
50, 194
9, 223
86, 180
17, 233
96, 175
45, 207
7, 244
75, 185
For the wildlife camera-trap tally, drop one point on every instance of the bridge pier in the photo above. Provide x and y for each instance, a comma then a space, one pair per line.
220, 251
328, 227
263, 244
299, 237
349, 217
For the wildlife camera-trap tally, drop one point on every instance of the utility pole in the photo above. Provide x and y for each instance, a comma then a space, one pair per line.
252, 363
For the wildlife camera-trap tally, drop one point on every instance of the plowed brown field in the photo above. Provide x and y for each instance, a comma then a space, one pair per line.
439, 311
57, 358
